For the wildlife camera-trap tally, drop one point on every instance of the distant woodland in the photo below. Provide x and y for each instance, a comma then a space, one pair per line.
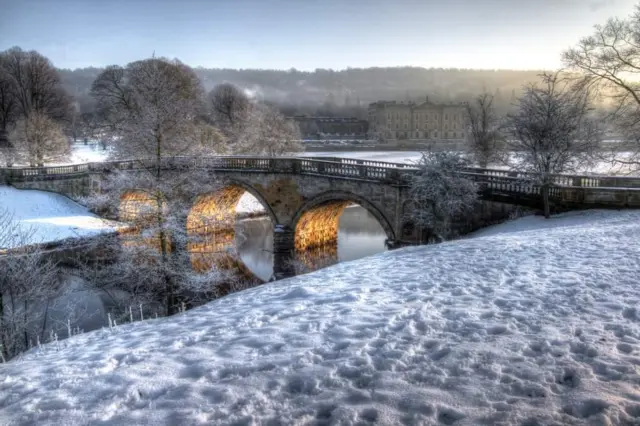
347, 92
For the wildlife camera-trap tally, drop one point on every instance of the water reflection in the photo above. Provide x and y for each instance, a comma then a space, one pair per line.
359, 235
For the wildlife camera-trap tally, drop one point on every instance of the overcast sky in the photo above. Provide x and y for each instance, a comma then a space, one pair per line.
305, 34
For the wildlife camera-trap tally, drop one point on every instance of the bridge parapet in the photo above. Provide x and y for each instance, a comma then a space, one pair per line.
374, 171
514, 185
291, 188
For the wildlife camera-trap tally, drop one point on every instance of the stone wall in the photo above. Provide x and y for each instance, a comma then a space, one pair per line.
73, 187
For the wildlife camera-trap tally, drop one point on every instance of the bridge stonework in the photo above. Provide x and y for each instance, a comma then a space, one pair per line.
289, 195
304, 196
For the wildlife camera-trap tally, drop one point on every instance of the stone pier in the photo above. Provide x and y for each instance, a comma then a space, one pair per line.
283, 252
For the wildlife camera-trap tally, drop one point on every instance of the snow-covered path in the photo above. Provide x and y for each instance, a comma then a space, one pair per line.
45, 216
514, 327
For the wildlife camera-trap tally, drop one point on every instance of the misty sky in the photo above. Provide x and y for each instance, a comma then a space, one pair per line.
305, 34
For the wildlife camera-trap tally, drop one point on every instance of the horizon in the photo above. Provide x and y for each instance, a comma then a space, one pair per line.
322, 69
485, 35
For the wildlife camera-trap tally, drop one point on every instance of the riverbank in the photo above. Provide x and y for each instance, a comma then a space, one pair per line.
37, 217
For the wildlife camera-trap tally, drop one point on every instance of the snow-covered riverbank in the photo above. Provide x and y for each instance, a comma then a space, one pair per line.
530, 323
46, 216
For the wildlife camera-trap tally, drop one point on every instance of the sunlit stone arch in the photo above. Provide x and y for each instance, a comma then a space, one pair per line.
316, 224
138, 205
210, 227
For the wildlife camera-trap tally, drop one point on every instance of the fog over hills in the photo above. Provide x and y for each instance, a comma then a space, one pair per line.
302, 91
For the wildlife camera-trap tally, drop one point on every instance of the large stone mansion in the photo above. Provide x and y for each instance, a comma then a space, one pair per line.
395, 121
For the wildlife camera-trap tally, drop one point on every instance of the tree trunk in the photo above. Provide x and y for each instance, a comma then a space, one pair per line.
26, 326
3, 343
545, 200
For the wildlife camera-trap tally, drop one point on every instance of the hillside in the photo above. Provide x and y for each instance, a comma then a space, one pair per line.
531, 323
347, 88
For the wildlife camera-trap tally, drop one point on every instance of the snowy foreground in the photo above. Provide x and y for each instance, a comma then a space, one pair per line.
45, 216
530, 323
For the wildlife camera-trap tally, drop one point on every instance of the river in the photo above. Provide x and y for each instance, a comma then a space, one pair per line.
359, 235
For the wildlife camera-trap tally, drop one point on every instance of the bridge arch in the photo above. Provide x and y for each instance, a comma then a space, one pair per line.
316, 223
230, 182
211, 227
141, 208
336, 198
138, 205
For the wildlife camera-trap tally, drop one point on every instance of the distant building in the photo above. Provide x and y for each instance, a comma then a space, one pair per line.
331, 128
396, 121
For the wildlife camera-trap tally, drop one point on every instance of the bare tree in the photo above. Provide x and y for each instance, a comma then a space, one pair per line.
485, 133
267, 132
439, 194
36, 139
229, 107
36, 84
29, 84
28, 282
609, 62
8, 107
552, 131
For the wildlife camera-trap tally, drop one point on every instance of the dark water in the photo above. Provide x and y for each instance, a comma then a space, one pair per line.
359, 235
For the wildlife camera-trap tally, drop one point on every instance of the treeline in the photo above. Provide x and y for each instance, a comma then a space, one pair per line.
345, 92
40, 111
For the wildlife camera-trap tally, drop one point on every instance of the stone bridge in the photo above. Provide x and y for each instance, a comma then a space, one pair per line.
305, 196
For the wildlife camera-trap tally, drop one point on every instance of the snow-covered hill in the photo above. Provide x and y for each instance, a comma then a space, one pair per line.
524, 325
45, 216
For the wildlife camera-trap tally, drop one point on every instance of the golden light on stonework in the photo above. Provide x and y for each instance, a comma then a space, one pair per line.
215, 249
316, 234
211, 232
141, 210
213, 211
139, 207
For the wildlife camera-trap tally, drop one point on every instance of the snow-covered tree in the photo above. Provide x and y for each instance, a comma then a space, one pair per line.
150, 260
439, 194
267, 132
37, 139
249, 127
28, 282
151, 109
552, 131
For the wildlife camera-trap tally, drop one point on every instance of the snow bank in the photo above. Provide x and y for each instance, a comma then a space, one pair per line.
47, 216
89, 153
517, 327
